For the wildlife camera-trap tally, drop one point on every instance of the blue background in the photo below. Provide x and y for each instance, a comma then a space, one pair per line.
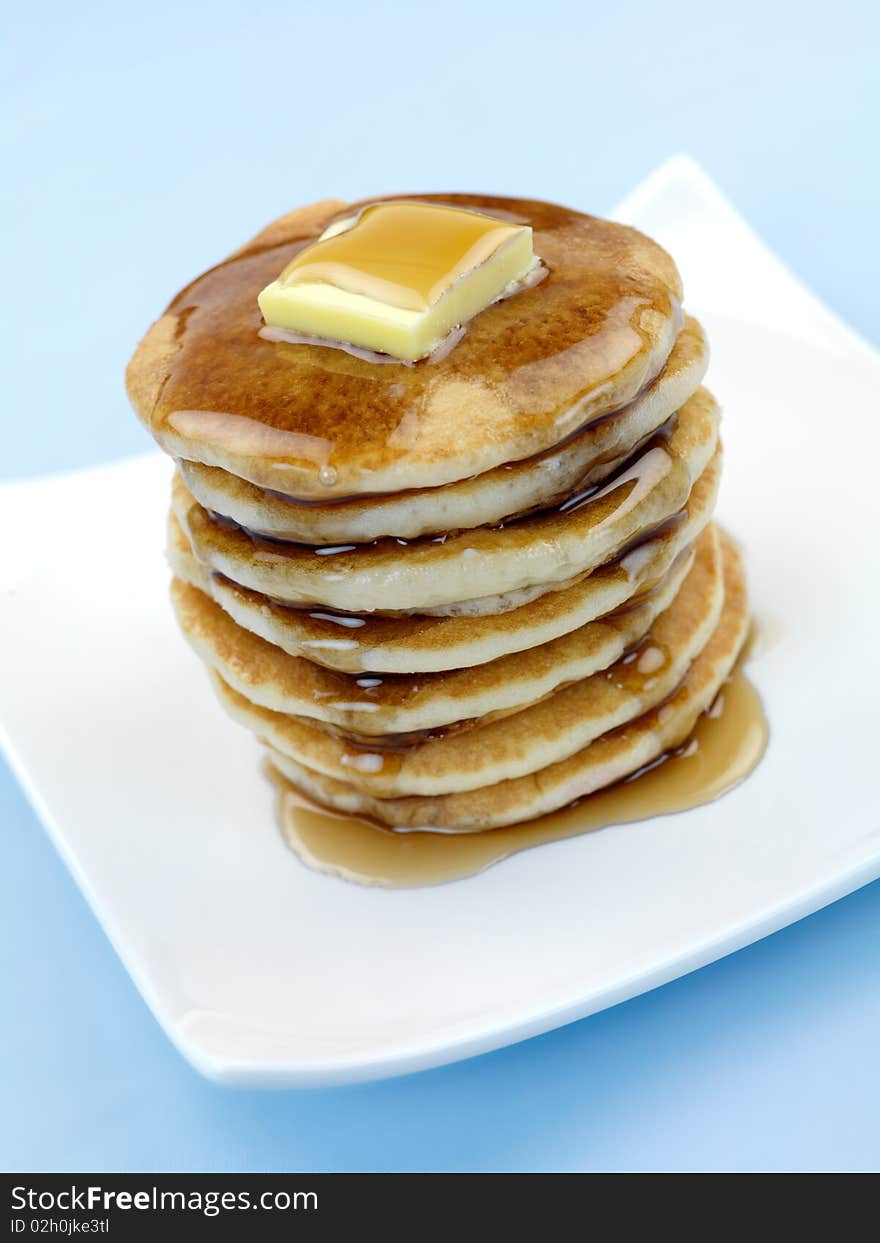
143, 142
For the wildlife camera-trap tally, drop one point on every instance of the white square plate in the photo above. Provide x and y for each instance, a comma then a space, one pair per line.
266, 973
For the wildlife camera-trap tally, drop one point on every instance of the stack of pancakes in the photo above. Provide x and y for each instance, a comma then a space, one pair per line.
462, 593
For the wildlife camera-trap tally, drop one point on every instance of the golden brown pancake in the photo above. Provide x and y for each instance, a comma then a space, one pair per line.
525, 741
416, 644
404, 703
543, 549
460, 593
507, 491
608, 759
315, 422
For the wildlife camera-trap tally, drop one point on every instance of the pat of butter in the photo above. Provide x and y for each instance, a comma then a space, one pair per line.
399, 277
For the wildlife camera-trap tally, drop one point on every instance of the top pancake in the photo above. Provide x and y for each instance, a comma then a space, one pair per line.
317, 423
507, 491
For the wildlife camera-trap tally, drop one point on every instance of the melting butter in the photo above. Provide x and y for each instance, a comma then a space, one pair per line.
399, 277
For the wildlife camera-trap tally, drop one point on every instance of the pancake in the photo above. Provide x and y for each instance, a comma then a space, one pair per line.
509, 490
414, 644
546, 548
406, 703
610, 758
522, 743
456, 594
315, 422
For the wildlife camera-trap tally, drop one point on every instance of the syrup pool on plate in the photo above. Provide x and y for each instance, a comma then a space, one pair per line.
725, 746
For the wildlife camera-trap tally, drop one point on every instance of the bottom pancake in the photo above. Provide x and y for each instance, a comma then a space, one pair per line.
606, 760
727, 743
